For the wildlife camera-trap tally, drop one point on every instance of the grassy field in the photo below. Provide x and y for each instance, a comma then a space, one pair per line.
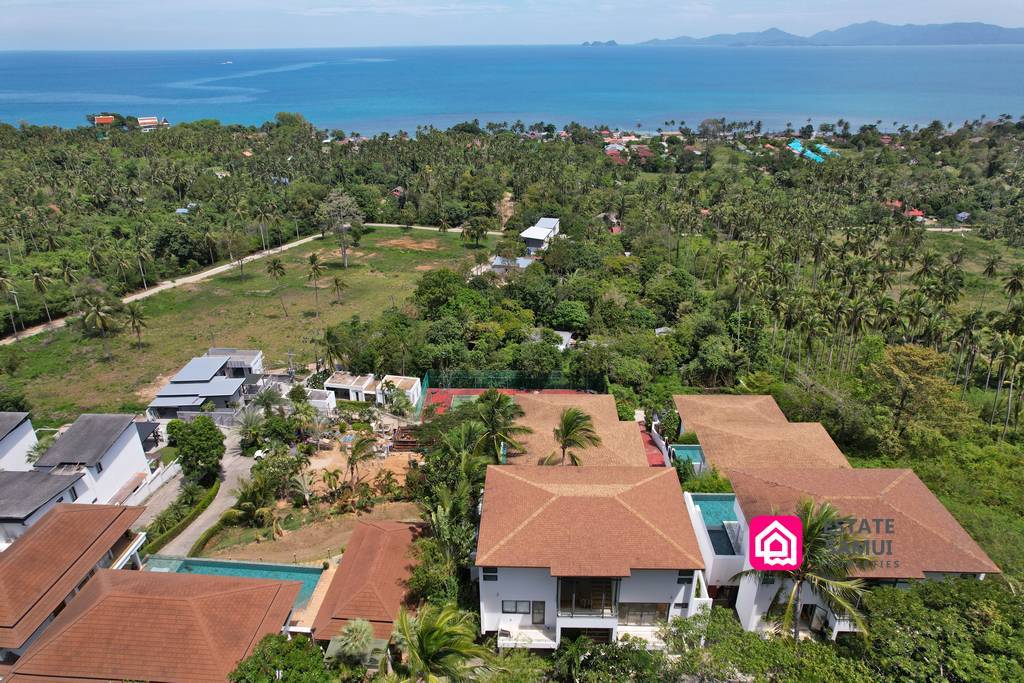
979, 291
64, 374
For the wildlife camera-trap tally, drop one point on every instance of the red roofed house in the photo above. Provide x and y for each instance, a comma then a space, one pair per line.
914, 213
370, 582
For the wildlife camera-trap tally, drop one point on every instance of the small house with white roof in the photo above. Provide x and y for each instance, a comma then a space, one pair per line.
540, 234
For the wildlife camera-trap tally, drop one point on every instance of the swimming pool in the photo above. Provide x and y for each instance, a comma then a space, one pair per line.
692, 452
717, 510
307, 576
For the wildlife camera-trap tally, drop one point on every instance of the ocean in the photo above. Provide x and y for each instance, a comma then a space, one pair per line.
368, 90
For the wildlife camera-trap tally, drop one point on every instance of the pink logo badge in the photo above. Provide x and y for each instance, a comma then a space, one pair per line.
776, 542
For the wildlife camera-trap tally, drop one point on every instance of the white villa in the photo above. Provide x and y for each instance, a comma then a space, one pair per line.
16, 440
596, 551
539, 235
26, 496
369, 388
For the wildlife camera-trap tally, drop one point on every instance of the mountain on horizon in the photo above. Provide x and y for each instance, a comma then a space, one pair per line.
862, 34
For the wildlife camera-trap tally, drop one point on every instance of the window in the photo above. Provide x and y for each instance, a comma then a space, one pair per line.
642, 613
538, 612
594, 597
767, 580
685, 577
99, 467
515, 606
73, 493
490, 573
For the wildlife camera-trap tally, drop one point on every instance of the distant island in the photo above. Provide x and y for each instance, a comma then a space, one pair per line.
598, 43
863, 34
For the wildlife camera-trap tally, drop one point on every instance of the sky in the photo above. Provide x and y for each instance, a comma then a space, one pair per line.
198, 24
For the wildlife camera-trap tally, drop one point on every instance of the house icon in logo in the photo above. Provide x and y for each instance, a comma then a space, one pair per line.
776, 542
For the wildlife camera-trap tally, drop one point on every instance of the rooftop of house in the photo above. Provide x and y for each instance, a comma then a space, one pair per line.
541, 230
235, 354
731, 445
371, 580
86, 441
621, 443
402, 382
148, 626
201, 369
22, 493
41, 567
519, 262
10, 421
585, 521
215, 386
702, 408
348, 379
924, 535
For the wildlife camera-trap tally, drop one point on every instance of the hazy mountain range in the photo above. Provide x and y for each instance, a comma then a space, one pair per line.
867, 33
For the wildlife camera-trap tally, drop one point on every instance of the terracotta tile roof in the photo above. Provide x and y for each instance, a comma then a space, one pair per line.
45, 563
585, 521
621, 443
703, 408
370, 581
147, 626
730, 445
925, 536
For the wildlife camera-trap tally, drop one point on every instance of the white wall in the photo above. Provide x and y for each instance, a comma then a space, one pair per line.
120, 463
655, 585
517, 584
15, 447
11, 530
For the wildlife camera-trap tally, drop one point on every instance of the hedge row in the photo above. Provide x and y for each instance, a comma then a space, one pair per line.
205, 538
154, 545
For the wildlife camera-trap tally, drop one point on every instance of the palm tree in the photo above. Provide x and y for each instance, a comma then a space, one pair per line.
249, 425
359, 452
301, 485
267, 400
498, 413
41, 282
438, 644
7, 289
575, 430
275, 269
332, 481
135, 317
316, 271
338, 286
99, 315
830, 554
991, 271
1014, 283
355, 640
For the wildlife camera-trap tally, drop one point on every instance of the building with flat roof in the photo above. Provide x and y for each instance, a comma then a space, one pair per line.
44, 569
539, 235
220, 378
148, 626
604, 551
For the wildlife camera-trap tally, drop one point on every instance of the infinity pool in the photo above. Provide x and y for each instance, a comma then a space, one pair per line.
717, 509
692, 452
307, 576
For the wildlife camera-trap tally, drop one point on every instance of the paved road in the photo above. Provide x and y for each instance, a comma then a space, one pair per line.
205, 275
236, 468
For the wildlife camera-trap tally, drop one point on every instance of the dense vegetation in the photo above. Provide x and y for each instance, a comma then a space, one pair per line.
737, 268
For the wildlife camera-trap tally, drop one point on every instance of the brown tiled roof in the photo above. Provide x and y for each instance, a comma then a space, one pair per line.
925, 536
731, 445
710, 408
146, 626
585, 521
370, 581
620, 441
45, 563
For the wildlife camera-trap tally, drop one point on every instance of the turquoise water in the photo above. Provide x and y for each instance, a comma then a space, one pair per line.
308, 576
374, 89
691, 452
716, 508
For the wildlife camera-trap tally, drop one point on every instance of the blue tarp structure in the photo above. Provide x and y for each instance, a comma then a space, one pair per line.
827, 151
814, 157
796, 146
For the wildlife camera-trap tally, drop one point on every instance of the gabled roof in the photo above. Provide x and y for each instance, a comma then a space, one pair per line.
9, 421
370, 581
148, 626
585, 521
621, 443
730, 445
22, 493
924, 535
86, 441
46, 563
201, 369
702, 408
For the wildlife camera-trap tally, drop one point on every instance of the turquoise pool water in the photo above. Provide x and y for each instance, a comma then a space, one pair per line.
692, 452
716, 508
307, 576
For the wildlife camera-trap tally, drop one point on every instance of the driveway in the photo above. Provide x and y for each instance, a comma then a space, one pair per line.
236, 468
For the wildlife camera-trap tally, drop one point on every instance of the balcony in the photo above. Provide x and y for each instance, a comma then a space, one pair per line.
588, 597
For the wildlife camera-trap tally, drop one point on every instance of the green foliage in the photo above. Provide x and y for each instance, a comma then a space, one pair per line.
278, 658
200, 449
708, 481
516, 665
298, 394
176, 518
626, 659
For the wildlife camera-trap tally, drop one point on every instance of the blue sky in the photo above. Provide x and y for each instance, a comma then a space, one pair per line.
137, 24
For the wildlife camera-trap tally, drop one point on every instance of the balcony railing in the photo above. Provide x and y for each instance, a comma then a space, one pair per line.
588, 597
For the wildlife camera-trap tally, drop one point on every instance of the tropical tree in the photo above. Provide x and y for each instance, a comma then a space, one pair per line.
100, 316
498, 412
831, 553
575, 430
135, 318
338, 285
354, 641
438, 644
275, 269
314, 273
340, 212
361, 451
41, 283
302, 485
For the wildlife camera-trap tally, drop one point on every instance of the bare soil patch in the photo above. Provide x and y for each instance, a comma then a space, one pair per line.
411, 243
425, 267
149, 392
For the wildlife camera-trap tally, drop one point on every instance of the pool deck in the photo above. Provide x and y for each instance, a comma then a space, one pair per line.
304, 616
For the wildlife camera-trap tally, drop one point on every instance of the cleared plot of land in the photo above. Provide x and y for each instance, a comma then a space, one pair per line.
65, 374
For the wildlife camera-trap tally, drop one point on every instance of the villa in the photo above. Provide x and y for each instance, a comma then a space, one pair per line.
539, 235
221, 378
596, 551
16, 441
148, 626
43, 571
25, 497
351, 387
105, 449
